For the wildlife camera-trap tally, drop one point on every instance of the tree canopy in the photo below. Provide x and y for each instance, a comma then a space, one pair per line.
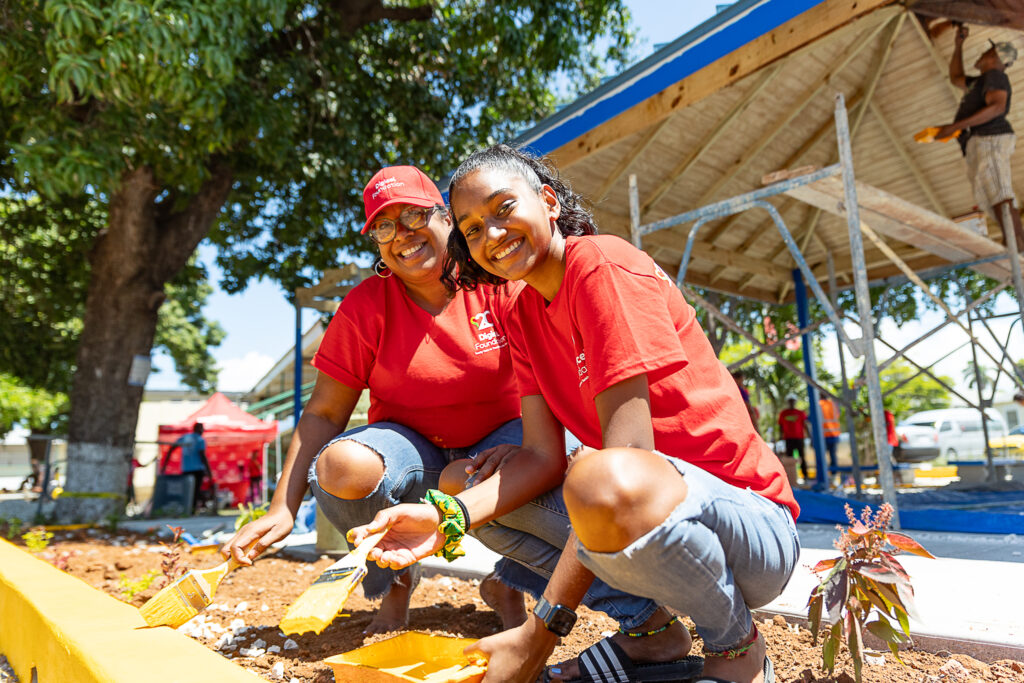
254, 123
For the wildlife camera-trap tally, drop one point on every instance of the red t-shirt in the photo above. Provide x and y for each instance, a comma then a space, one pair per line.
618, 315
792, 422
448, 377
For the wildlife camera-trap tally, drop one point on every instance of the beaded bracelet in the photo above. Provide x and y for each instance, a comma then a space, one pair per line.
737, 651
644, 634
452, 526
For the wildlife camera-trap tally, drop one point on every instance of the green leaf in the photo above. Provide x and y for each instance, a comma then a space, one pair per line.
854, 643
828, 652
814, 616
835, 592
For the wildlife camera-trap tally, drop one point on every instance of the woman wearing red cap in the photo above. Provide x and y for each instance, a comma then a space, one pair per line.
441, 387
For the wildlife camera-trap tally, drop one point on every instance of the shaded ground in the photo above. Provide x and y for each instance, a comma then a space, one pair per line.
252, 601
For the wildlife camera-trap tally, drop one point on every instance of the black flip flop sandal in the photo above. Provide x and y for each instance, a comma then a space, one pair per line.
606, 662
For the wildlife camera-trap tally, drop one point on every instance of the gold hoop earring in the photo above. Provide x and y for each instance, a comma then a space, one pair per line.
381, 269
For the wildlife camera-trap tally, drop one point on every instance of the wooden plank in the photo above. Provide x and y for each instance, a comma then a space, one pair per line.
826, 18
908, 161
914, 225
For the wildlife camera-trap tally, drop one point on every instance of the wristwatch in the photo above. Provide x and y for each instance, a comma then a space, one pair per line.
557, 618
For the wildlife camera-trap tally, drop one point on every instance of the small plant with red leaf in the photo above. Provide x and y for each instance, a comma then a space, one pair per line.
865, 580
172, 556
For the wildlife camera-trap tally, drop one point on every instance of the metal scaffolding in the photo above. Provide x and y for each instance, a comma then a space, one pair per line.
861, 347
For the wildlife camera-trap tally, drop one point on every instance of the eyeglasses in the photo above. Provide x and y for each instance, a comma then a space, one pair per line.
383, 230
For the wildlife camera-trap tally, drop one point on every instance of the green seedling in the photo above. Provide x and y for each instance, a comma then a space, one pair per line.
129, 588
249, 514
865, 580
14, 527
37, 539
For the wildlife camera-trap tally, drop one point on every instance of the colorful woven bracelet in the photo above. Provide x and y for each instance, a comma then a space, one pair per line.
452, 526
738, 651
643, 634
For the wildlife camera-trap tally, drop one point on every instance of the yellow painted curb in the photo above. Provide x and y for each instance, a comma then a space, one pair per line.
69, 632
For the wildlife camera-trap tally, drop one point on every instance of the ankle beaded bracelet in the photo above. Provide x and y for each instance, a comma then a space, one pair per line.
739, 651
644, 634
453, 523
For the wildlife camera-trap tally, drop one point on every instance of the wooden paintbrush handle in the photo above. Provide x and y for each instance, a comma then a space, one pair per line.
368, 544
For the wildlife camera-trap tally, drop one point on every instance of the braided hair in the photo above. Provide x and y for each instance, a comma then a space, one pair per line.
460, 270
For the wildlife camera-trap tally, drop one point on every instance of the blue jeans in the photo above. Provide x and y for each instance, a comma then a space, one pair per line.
533, 535
722, 551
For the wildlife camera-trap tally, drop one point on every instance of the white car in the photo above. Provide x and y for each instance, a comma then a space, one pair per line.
918, 443
958, 431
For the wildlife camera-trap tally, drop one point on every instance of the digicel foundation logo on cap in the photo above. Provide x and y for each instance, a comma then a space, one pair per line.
385, 185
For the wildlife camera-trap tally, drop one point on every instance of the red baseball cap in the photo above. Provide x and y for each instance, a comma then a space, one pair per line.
398, 185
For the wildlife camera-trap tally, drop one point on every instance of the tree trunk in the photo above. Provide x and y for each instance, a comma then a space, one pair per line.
143, 246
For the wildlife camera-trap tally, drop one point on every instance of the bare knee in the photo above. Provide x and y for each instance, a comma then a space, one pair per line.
615, 496
453, 477
349, 470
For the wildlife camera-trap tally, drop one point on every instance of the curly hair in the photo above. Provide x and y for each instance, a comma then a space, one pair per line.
460, 270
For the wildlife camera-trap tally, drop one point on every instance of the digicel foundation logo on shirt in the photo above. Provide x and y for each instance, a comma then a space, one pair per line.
581, 367
487, 337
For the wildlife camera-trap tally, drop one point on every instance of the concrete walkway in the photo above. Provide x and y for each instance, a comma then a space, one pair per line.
970, 599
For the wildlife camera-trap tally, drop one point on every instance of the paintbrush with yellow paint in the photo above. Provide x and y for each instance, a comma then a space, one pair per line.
315, 609
186, 597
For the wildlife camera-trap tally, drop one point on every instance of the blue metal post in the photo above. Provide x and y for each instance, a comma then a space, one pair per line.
298, 364
813, 408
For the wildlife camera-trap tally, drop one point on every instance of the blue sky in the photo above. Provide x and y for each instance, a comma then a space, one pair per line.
260, 323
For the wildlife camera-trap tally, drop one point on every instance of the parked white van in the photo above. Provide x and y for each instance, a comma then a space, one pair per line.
958, 432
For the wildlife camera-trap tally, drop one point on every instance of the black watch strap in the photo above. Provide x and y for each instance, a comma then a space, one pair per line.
557, 618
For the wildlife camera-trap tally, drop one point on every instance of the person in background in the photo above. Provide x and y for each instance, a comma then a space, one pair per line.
791, 422
986, 137
737, 376
254, 472
830, 426
1019, 398
193, 461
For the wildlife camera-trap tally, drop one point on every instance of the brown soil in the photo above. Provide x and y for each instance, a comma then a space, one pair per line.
439, 605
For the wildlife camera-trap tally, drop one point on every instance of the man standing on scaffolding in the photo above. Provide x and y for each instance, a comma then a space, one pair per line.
987, 139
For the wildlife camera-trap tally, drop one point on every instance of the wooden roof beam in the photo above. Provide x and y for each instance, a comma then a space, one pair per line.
778, 125
908, 161
941, 66
705, 144
627, 161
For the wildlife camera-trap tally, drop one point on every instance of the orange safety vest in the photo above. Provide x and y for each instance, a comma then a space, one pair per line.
829, 417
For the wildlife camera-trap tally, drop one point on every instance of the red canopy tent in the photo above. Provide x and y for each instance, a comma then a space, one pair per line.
232, 436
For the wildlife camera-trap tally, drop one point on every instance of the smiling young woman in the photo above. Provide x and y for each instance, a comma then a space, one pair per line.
679, 501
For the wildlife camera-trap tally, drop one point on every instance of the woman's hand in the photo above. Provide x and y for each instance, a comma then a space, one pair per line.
252, 539
412, 534
517, 654
486, 463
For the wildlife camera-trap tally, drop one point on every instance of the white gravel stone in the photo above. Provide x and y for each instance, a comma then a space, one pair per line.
252, 651
274, 649
241, 607
291, 645
264, 607
277, 671
259, 642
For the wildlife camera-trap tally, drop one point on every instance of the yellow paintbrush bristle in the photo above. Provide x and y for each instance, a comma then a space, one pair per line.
315, 609
186, 597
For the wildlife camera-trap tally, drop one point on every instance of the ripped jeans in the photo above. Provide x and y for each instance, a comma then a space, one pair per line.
533, 535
